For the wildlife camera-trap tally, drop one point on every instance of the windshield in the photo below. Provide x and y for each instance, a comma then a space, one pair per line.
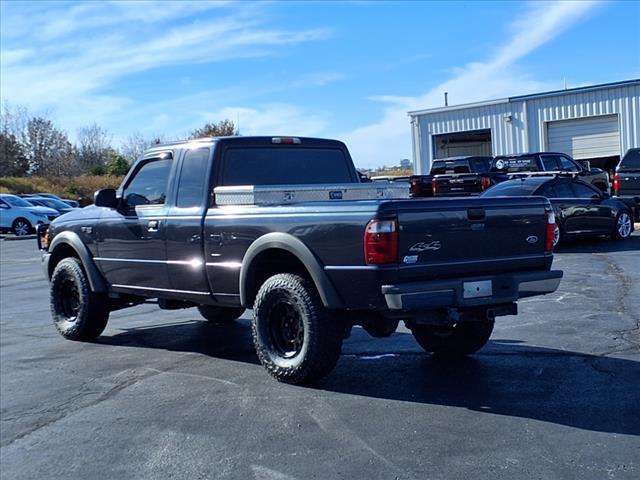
53, 203
631, 161
16, 201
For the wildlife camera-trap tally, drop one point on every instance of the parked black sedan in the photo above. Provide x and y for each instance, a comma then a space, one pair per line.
580, 208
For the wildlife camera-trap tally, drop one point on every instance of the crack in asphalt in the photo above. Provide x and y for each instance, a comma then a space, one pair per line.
64, 411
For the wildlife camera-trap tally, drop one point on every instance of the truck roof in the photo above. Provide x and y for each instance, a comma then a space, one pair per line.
249, 140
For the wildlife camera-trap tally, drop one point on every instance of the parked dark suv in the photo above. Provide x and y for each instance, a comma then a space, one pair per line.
626, 183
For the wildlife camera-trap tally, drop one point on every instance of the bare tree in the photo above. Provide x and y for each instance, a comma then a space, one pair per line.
48, 149
134, 147
93, 145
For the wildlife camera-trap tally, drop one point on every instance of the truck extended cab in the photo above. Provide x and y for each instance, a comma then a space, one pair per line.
283, 226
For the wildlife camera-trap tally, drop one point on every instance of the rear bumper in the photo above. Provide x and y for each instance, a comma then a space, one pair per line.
505, 288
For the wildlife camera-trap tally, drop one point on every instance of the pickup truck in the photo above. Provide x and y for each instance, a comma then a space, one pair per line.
472, 175
283, 226
626, 182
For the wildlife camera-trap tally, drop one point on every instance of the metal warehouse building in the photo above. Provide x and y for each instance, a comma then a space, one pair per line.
597, 123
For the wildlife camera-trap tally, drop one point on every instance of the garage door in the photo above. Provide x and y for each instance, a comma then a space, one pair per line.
583, 138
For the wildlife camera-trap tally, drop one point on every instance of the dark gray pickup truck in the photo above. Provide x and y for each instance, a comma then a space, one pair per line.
283, 226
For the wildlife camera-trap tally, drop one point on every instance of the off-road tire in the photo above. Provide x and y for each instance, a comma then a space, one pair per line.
21, 227
318, 344
461, 339
621, 232
78, 313
220, 315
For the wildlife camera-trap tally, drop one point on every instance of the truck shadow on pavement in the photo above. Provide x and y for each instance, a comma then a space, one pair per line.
507, 377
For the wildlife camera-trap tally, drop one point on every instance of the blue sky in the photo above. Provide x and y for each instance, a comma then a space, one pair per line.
346, 70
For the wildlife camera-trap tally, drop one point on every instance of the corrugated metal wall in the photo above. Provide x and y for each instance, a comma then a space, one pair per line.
519, 125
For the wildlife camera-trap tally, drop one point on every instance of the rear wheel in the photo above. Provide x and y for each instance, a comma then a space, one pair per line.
457, 340
216, 314
21, 227
624, 226
295, 339
78, 313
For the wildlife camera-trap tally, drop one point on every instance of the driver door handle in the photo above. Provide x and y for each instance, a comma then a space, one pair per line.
153, 225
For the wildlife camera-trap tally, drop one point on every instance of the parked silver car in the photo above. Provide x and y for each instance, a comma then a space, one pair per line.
20, 217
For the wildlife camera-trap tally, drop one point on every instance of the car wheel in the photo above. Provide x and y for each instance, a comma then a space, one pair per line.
557, 235
624, 225
78, 313
295, 339
21, 227
216, 314
457, 340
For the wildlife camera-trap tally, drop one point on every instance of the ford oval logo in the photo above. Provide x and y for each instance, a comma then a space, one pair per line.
532, 239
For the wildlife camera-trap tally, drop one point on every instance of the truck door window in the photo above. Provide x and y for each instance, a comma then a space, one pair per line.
149, 185
192, 178
567, 165
550, 163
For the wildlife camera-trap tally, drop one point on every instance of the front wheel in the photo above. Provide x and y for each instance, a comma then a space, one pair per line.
624, 226
220, 315
457, 340
295, 338
21, 227
78, 313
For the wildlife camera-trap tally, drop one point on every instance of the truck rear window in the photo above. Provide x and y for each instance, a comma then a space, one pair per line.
631, 161
285, 165
466, 165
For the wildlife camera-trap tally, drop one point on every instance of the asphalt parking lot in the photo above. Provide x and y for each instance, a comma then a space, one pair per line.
163, 394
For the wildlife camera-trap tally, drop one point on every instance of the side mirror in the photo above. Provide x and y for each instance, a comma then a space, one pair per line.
586, 165
105, 198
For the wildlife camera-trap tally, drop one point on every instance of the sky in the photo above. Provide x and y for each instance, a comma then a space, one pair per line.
346, 70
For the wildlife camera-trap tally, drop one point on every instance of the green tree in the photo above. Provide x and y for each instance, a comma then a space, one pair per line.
13, 162
224, 128
117, 165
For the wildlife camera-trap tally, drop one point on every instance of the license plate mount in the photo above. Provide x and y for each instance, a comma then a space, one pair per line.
482, 288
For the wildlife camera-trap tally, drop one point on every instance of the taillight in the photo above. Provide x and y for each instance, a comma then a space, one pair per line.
434, 187
551, 232
616, 183
485, 182
381, 242
286, 141
414, 189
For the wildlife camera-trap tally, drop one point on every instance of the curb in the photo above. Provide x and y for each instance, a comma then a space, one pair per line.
14, 238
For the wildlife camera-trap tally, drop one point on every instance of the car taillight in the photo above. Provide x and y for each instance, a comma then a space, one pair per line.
414, 189
616, 183
381, 242
434, 187
551, 232
485, 182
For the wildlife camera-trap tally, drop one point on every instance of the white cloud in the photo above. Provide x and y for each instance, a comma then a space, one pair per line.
272, 119
83, 49
319, 79
389, 139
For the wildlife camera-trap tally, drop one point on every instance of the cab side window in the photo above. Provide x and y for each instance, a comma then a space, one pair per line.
566, 165
550, 163
193, 177
149, 185
4, 205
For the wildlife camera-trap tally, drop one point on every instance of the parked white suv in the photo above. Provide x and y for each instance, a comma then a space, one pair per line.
21, 217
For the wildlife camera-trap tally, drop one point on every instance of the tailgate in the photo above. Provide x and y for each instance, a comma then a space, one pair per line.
629, 183
462, 184
441, 238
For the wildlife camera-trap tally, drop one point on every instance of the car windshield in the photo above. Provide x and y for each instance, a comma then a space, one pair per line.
53, 203
631, 161
511, 189
16, 201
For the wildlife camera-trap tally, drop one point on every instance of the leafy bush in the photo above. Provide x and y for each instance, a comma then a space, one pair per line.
75, 188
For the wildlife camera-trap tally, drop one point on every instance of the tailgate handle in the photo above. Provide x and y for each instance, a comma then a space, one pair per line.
476, 213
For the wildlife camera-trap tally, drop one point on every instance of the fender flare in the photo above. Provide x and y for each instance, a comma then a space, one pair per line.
96, 281
291, 244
